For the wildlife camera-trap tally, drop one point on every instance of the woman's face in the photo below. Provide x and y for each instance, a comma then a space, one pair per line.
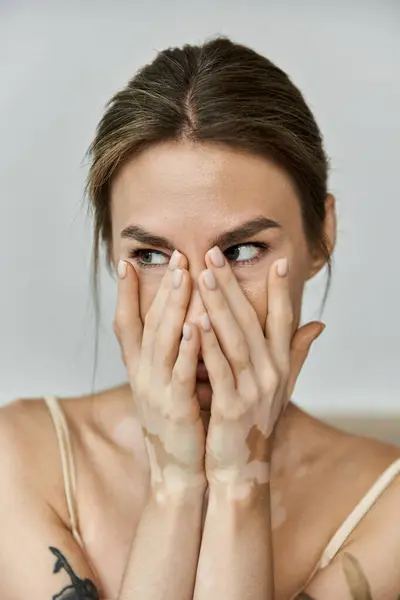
194, 194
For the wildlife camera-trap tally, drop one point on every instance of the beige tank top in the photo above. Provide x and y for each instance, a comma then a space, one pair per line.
333, 547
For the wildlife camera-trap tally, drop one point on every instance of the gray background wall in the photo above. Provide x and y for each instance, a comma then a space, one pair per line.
60, 63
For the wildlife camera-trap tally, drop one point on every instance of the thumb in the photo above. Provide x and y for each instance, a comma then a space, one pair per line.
299, 349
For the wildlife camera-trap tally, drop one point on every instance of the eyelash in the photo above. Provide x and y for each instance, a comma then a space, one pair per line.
136, 253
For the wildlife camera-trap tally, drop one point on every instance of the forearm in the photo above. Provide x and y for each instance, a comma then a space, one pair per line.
236, 552
163, 559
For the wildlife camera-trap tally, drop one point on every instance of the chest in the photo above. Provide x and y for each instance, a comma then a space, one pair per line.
112, 495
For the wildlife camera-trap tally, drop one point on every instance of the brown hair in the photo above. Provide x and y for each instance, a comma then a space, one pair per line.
220, 92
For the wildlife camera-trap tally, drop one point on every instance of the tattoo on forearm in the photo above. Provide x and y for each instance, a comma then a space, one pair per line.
79, 589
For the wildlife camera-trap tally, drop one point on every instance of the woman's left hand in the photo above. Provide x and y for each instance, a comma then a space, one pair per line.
252, 373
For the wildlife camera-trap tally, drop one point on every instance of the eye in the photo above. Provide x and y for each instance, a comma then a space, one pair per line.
148, 259
239, 255
245, 254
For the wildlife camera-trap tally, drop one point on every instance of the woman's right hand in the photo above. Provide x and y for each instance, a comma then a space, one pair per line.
161, 366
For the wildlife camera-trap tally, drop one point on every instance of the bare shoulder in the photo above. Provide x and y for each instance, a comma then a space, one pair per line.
33, 515
29, 446
379, 472
363, 479
29, 441
363, 468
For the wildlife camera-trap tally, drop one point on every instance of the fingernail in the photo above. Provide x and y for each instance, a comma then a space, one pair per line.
204, 320
177, 278
209, 279
282, 267
174, 260
122, 269
320, 331
186, 331
216, 256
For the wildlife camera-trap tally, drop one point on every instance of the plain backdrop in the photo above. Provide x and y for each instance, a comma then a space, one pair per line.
59, 64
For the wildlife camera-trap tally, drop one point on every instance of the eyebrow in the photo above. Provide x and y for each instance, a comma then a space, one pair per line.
223, 240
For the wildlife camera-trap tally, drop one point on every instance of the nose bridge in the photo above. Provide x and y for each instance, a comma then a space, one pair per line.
196, 306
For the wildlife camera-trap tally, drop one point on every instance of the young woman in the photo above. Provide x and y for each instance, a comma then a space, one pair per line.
199, 478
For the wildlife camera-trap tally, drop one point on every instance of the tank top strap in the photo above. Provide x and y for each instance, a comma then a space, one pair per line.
355, 517
67, 462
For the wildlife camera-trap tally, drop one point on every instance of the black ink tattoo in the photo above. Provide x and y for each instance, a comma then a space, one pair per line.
79, 589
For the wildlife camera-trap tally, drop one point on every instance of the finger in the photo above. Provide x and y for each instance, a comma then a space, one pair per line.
231, 338
183, 378
155, 313
168, 334
279, 322
127, 324
242, 310
218, 368
300, 347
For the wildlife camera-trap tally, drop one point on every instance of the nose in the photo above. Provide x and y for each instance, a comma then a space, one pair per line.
196, 306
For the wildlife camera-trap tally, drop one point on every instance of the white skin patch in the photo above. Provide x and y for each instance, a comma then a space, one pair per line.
156, 472
278, 512
128, 434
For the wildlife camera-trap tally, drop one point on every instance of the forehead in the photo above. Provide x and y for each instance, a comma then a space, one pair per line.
205, 187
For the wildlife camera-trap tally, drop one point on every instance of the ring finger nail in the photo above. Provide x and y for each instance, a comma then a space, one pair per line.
209, 280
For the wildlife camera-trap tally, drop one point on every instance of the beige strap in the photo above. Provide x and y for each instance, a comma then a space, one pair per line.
341, 535
358, 513
67, 462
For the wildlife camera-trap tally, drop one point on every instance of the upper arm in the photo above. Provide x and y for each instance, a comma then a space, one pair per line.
39, 558
356, 574
368, 567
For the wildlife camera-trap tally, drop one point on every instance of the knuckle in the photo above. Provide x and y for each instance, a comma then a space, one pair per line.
285, 370
240, 353
252, 395
180, 377
121, 319
270, 382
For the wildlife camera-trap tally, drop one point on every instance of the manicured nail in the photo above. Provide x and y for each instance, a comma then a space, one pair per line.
177, 278
217, 258
204, 320
174, 260
282, 267
209, 280
122, 269
186, 331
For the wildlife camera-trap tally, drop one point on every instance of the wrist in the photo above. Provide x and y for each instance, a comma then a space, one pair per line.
175, 490
244, 494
